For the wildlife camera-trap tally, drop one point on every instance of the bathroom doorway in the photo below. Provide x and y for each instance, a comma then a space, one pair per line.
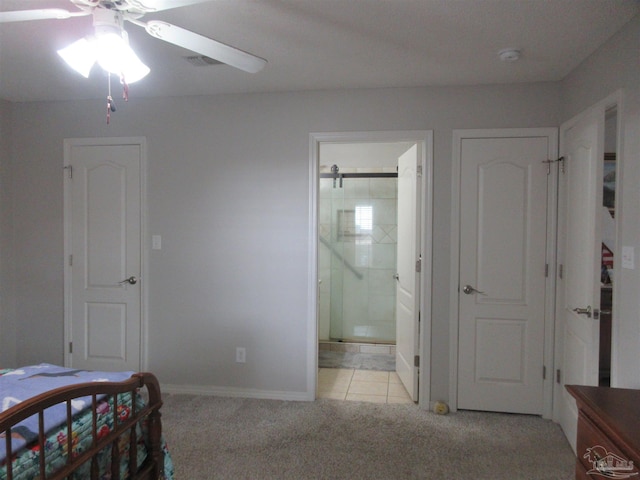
358, 248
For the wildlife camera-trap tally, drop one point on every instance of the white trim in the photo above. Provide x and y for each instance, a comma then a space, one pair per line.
454, 276
548, 359
550, 284
426, 277
618, 99
312, 314
144, 259
425, 139
142, 143
66, 252
615, 99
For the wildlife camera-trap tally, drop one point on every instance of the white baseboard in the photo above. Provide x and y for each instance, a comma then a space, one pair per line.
235, 392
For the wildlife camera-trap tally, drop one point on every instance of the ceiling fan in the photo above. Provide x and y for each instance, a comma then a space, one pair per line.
109, 17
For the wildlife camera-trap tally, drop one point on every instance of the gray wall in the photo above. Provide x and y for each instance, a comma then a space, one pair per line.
616, 65
228, 190
7, 299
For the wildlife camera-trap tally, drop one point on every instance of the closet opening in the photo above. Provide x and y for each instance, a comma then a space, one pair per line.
608, 244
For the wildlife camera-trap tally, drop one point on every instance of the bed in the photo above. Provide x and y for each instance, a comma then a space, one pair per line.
113, 417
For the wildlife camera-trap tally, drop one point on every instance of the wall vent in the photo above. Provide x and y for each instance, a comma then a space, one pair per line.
202, 61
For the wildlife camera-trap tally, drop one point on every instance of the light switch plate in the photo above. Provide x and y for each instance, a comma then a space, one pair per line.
628, 260
156, 242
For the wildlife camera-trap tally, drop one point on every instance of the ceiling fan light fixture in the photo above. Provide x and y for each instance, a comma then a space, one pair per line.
80, 56
114, 55
109, 47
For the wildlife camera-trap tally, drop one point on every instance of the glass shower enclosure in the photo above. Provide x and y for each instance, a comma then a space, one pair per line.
357, 255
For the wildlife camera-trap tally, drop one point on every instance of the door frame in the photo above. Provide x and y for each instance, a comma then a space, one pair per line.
458, 135
425, 139
141, 142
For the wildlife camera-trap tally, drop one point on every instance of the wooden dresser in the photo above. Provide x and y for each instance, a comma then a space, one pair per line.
608, 443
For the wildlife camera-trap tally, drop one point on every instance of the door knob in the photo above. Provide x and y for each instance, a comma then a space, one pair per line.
468, 289
583, 311
131, 280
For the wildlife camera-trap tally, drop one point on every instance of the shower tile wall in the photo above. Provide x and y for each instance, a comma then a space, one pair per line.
354, 308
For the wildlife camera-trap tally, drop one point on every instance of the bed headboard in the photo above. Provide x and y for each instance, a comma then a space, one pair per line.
150, 413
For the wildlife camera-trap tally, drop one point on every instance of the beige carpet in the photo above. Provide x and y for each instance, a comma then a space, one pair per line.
226, 438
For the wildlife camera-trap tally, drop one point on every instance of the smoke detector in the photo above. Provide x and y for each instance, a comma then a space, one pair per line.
509, 54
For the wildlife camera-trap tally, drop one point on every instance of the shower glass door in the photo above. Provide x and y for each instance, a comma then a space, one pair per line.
357, 257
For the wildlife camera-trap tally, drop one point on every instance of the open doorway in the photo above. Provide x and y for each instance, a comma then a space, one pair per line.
358, 280
587, 251
608, 243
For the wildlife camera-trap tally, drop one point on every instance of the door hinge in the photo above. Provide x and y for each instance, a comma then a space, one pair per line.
546, 270
419, 170
71, 260
419, 265
416, 361
560, 270
69, 170
70, 347
558, 376
544, 372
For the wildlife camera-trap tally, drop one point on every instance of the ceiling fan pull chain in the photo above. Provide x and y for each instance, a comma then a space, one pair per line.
108, 97
125, 89
110, 105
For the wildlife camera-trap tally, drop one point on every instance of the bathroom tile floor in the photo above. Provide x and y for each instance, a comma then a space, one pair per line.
361, 386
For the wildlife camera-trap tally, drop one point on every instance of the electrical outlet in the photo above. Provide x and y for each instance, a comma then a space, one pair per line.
241, 355
628, 260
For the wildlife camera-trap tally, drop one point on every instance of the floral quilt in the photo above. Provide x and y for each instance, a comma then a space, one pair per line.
21, 384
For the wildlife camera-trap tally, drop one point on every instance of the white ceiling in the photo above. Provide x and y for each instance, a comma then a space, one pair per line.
324, 44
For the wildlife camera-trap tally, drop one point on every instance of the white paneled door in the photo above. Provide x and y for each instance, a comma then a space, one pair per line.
407, 278
580, 234
502, 282
103, 249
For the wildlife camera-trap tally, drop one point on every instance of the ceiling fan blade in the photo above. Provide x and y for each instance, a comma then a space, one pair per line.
205, 46
40, 14
157, 5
